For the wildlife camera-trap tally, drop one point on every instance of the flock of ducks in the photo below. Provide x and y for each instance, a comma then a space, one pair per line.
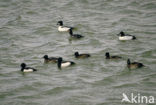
61, 63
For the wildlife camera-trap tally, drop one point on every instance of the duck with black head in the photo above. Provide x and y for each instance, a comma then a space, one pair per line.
24, 68
123, 36
50, 59
111, 57
63, 28
134, 65
76, 36
63, 64
77, 55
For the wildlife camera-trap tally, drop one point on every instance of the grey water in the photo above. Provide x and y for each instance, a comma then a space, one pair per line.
28, 31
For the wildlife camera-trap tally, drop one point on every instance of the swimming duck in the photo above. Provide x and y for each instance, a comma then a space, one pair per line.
123, 36
26, 69
50, 59
77, 55
62, 64
134, 65
111, 57
62, 28
77, 36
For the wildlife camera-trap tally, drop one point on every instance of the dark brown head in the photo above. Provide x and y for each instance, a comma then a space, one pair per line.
107, 55
70, 31
59, 62
128, 62
76, 54
45, 57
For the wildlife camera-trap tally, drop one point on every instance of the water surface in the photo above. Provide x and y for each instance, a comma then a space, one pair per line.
28, 31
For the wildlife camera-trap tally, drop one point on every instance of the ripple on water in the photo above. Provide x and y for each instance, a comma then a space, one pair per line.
28, 31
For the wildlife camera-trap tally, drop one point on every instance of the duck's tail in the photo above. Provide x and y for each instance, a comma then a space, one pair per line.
134, 37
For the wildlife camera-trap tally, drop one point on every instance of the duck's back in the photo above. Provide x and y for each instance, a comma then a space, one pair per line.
115, 57
77, 36
83, 56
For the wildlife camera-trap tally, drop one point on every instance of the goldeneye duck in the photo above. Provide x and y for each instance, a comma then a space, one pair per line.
50, 59
62, 28
77, 55
134, 65
123, 36
77, 36
62, 64
111, 57
26, 69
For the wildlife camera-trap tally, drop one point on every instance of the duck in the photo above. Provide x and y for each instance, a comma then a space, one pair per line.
62, 28
77, 55
111, 57
123, 36
63, 64
77, 36
26, 69
134, 65
50, 59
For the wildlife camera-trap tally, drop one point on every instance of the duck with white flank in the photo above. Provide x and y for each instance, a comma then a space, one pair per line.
27, 69
123, 36
134, 65
77, 55
111, 57
62, 28
50, 59
77, 36
62, 64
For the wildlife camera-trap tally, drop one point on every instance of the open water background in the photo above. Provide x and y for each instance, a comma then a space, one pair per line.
28, 31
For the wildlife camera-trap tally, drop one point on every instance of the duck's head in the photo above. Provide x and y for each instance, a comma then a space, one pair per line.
45, 56
59, 62
23, 65
60, 23
76, 54
122, 33
70, 31
60, 59
128, 61
107, 55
